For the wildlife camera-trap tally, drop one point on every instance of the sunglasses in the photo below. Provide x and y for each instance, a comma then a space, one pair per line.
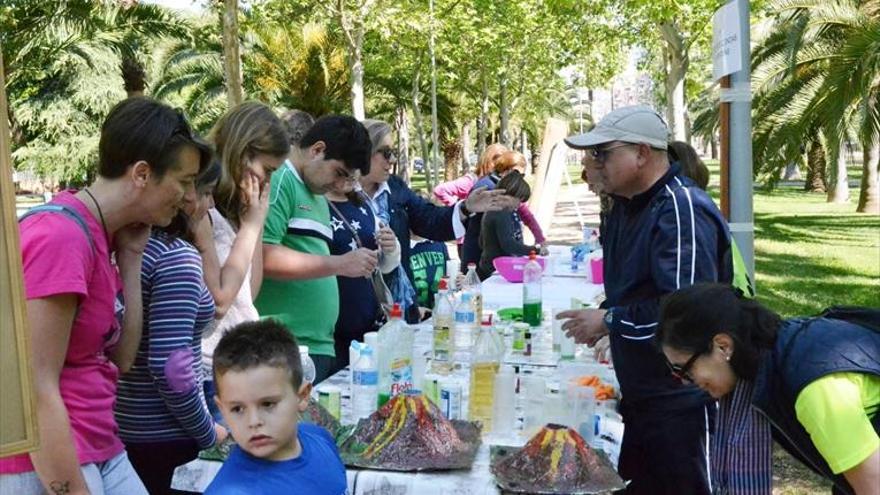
683, 373
387, 153
600, 155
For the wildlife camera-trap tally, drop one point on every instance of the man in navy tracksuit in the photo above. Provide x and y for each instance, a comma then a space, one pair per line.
662, 234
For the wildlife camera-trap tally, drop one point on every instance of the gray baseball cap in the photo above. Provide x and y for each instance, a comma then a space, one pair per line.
634, 124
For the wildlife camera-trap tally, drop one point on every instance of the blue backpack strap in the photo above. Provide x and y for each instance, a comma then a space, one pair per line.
66, 211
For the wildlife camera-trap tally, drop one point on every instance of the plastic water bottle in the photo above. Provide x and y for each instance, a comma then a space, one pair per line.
473, 285
395, 357
487, 357
365, 384
532, 291
443, 317
466, 326
308, 365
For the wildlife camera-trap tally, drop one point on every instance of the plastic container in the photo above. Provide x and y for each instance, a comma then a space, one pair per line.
444, 318
532, 297
504, 403
474, 286
597, 273
365, 384
511, 267
466, 327
308, 365
486, 360
395, 357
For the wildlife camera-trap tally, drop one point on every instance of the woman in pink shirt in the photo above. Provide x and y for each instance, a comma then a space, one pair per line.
82, 263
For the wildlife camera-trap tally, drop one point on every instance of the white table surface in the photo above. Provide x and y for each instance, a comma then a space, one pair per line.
560, 285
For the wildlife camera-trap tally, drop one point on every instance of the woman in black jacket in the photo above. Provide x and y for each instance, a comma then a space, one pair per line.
403, 210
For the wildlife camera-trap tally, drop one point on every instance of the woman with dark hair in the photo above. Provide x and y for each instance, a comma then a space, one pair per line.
403, 210
814, 383
501, 231
82, 258
162, 418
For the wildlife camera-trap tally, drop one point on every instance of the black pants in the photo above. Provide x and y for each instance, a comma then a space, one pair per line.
155, 462
666, 452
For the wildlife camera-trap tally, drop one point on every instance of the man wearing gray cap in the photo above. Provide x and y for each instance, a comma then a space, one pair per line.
662, 233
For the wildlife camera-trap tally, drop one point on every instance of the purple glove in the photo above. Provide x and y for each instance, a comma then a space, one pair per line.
179, 372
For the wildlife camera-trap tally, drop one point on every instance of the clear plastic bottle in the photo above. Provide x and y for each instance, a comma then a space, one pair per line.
473, 285
365, 384
484, 366
466, 326
395, 357
443, 317
532, 291
308, 365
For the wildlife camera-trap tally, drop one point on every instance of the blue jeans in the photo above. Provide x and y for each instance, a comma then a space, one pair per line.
113, 477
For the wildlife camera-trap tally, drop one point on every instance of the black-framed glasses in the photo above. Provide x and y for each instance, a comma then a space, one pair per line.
683, 373
600, 155
387, 153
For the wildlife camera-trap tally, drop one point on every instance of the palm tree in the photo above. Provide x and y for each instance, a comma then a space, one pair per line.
818, 75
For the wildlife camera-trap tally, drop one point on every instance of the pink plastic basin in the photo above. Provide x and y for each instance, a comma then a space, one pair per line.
511, 267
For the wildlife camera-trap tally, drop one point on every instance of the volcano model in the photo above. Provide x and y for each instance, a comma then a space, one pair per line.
409, 433
317, 414
555, 460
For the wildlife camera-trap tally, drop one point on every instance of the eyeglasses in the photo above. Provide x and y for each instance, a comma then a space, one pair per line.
683, 373
387, 153
600, 155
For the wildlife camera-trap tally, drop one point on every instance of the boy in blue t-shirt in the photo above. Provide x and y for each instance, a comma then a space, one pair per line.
261, 393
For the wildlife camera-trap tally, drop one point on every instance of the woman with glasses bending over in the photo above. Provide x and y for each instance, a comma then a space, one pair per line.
813, 384
82, 263
251, 142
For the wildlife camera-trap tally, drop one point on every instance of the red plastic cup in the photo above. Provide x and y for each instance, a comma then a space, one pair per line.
596, 271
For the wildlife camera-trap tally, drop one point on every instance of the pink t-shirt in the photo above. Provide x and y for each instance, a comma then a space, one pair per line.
57, 259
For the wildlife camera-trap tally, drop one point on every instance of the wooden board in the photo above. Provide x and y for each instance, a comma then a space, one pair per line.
18, 422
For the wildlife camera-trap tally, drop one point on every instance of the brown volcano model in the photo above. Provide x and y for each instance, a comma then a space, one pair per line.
555, 460
409, 433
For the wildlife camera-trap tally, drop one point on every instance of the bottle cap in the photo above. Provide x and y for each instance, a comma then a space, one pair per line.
444, 284
395, 311
472, 265
303, 349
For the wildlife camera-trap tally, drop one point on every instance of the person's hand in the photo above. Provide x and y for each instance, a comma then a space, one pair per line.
131, 240
602, 350
203, 234
482, 200
179, 372
256, 200
386, 239
221, 432
585, 326
358, 263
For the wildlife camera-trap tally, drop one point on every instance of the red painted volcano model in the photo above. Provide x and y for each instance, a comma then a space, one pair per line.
409, 433
556, 460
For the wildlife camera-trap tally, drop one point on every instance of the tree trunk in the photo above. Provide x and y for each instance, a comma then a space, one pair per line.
466, 164
839, 192
816, 164
451, 157
420, 132
231, 55
677, 62
401, 123
357, 80
504, 132
483, 122
869, 192
713, 144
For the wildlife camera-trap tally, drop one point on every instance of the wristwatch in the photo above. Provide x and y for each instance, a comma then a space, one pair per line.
608, 318
464, 209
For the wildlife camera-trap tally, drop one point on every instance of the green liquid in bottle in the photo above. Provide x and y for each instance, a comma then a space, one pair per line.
532, 313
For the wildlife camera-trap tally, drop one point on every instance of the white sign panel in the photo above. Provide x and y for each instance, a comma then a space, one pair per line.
726, 52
